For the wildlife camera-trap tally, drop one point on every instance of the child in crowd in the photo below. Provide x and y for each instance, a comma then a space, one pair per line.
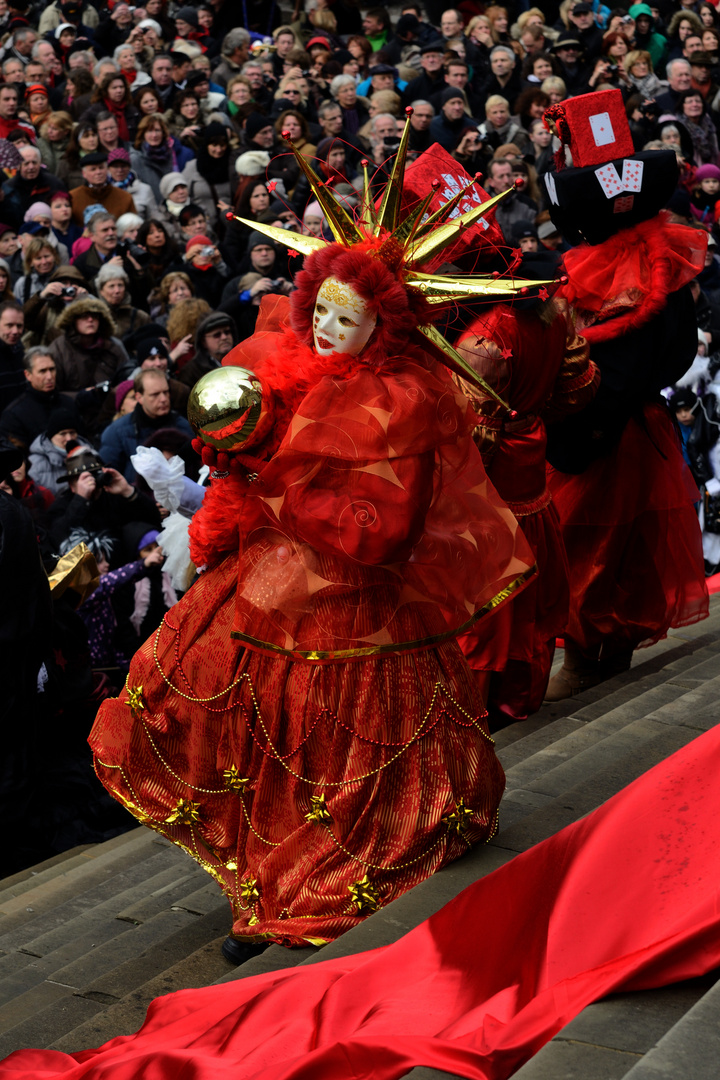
97, 611
705, 199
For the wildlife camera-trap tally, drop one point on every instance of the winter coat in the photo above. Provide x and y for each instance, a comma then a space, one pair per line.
19, 195
144, 198
12, 373
121, 439
128, 319
30, 285
204, 194
48, 462
151, 173
114, 199
103, 511
27, 416
78, 366
43, 312
52, 153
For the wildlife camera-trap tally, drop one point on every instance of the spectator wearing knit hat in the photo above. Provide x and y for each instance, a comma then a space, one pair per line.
121, 176
259, 135
48, 452
205, 267
451, 123
215, 336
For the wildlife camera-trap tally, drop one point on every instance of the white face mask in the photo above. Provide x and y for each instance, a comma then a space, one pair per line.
341, 320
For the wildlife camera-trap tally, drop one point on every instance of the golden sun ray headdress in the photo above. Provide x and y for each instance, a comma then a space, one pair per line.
407, 244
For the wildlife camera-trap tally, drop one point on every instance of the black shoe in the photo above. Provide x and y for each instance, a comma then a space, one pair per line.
237, 952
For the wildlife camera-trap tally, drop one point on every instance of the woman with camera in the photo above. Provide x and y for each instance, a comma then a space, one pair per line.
42, 311
40, 259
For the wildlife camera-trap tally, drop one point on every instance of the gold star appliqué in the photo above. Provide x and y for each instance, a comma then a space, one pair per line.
318, 809
459, 820
185, 813
249, 890
365, 896
136, 700
233, 781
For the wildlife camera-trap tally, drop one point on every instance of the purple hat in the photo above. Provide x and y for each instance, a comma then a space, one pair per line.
707, 172
148, 538
122, 392
119, 154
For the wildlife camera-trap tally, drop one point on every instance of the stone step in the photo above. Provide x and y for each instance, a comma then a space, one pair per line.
553, 721
531, 816
96, 865
620, 1035
590, 741
691, 1048
91, 905
24, 880
178, 963
81, 949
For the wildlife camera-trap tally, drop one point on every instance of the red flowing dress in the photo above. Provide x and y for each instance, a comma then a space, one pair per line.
304, 723
541, 367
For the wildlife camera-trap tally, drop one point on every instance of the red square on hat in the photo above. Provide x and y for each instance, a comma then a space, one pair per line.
598, 128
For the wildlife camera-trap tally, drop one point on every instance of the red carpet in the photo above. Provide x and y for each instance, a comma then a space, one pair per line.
626, 899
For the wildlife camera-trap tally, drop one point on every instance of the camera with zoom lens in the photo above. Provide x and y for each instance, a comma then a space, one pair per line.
68, 290
139, 254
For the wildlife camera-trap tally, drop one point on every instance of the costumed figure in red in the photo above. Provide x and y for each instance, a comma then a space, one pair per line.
619, 483
530, 352
303, 723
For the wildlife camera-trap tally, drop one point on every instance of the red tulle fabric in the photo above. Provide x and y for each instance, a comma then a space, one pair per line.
378, 510
633, 539
620, 285
626, 899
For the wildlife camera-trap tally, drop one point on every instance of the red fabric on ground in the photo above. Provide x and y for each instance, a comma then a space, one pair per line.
625, 899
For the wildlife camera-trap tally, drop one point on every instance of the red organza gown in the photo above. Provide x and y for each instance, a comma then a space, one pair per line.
540, 366
304, 723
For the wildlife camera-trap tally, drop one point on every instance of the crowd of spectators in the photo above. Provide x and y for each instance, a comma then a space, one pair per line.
128, 133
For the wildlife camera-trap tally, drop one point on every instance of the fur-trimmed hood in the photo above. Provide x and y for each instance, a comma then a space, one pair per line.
89, 305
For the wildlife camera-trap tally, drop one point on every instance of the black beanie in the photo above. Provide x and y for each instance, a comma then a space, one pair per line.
256, 122
60, 419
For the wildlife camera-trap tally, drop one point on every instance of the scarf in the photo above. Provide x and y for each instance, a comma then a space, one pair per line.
175, 208
162, 156
118, 112
126, 183
703, 140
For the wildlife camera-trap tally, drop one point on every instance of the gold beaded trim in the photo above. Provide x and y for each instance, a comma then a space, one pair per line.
201, 700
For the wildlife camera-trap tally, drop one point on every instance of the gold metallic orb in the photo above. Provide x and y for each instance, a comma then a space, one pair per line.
228, 410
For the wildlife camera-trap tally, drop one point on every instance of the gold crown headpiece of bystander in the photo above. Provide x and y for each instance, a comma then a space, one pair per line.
407, 244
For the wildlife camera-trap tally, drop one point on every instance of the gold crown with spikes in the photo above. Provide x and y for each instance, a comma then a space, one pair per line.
406, 245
